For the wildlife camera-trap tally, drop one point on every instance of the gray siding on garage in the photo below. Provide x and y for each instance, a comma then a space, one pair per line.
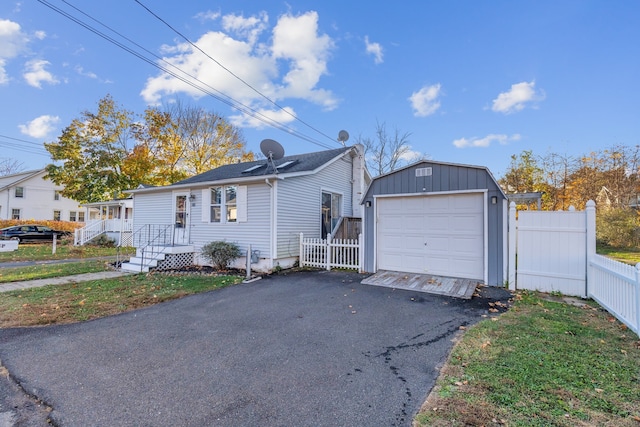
445, 177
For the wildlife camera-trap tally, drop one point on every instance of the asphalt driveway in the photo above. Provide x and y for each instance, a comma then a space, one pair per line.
303, 349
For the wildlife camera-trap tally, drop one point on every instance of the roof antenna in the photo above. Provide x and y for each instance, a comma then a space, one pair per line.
273, 151
343, 136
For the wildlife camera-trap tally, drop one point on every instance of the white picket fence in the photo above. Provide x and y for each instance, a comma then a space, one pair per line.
328, 253
556, 252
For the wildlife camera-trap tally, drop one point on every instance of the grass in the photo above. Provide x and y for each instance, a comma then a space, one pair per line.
45, 271
77, 302
542, 363
40, 252
626, 255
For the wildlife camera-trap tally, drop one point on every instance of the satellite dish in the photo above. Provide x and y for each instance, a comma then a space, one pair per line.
343, 136
271, 149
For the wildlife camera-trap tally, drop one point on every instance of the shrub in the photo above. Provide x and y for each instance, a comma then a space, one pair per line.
103, 241
220, 253
618, 228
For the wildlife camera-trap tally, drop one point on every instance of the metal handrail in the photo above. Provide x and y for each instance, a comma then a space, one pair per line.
150, 235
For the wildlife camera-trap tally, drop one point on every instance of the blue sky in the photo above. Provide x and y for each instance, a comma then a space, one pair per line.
472, 82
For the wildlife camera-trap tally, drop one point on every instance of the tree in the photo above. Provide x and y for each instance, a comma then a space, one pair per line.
524, 174
100, 155
207, 139
92, 150
10, 166
387, 151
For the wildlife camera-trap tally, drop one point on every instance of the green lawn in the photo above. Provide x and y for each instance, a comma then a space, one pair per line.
44, 271
542, 363
626, 255
89, 300
39, 252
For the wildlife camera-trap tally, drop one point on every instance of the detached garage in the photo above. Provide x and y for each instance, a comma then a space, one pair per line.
437, 218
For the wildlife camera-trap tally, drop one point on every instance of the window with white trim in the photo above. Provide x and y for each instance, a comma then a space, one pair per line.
57, 215
56, 195
15, 213
19, 193
227, 204
72, 216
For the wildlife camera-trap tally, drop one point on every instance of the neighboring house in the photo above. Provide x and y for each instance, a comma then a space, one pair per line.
28, 195
437, 218
249, 204
113, 218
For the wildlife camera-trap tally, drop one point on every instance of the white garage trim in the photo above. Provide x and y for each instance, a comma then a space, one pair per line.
485, 240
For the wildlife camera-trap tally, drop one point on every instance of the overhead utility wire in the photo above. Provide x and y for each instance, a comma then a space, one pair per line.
229, 101
222, 97
231, 72
37, 149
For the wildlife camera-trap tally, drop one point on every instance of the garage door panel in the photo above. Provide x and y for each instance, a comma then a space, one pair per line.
450, 225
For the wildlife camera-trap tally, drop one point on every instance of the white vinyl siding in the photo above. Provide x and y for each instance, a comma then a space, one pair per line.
300, 200
253, 222
153, 208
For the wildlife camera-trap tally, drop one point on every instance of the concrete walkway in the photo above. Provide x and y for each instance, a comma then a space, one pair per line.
12, 286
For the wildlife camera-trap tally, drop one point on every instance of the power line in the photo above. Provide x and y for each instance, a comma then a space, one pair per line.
231, 72
191, 80
37, 149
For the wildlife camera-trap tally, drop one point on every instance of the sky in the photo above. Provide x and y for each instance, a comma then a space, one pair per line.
469, 82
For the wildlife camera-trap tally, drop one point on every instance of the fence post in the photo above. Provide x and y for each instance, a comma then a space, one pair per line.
301, 251
360, 254
590, 211
327, 252
512, 246
637, 294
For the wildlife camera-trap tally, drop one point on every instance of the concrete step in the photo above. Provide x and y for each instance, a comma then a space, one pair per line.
134, 268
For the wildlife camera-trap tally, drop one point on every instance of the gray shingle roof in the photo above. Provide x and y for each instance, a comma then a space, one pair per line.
300, 163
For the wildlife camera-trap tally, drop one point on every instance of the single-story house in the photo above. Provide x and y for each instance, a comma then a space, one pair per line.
262, 204
28, 195
437, 218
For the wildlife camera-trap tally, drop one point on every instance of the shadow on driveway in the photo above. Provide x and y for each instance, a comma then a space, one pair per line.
303, 349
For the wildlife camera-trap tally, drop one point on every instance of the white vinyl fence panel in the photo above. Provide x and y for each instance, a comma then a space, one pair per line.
551, 249
556, 251
331, 253
616, 287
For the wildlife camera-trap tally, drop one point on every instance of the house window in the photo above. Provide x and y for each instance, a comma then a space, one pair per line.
330, 212
81, 216
72, 216
19, 192
181, 211
224, 204
15, 213
56, 195
57, 215
216, 204
230, 201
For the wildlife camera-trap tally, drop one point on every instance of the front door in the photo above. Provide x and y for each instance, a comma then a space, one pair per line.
181, 218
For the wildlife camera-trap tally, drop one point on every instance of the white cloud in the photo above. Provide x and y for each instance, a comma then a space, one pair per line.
12, 42
208, 15
40, 35
486, 141
80, 70
281, 116
288, 65
247, 28
35, 73
425, 101
517, 98
40, 127
411, 156
374, 49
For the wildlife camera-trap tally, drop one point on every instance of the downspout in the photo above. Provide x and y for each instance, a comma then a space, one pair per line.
272, 233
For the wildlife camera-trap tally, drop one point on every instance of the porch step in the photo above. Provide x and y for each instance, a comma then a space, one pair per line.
140, 265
